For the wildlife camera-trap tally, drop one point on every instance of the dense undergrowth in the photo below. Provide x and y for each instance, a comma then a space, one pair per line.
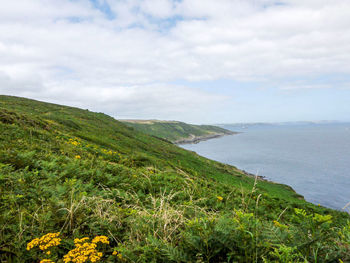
85, 174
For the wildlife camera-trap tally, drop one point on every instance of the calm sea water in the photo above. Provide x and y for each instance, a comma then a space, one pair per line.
312, 158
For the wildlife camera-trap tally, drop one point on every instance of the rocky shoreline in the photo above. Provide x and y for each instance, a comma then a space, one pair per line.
259, 177
197, 139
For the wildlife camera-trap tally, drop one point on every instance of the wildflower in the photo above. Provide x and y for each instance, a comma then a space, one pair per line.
46, 261
83, 252
45, 242
220, 198
81, 240
119, 255
75, 143
102, 239
276, 223
77, 157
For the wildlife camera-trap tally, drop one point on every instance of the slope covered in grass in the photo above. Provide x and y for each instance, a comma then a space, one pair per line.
84, 174
176, 131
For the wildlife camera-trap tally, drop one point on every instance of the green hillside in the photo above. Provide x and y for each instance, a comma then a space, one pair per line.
176, 131
85, 174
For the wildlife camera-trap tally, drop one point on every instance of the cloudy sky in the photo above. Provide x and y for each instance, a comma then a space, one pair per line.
200, 61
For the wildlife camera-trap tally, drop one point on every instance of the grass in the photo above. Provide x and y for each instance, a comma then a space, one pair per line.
85, 174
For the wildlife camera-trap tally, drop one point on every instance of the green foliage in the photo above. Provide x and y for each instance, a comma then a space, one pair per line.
82, 174
175, 131
282, 253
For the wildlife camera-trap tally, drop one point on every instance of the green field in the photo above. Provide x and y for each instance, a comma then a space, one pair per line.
85, 174
175, 131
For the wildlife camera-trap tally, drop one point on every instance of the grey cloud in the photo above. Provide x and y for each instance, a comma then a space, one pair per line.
28, 85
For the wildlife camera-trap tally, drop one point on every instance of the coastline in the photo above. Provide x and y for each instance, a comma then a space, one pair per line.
264, 178
196, 139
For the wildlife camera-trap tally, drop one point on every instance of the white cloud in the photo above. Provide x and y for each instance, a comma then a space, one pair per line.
71, 52
301, 87
158, 8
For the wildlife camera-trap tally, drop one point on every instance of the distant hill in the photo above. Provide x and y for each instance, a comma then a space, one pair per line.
177, 132
85, 187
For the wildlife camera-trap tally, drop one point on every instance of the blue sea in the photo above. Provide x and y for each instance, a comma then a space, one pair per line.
314, 159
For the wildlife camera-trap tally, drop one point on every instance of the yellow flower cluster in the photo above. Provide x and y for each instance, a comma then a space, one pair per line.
81, 240
102, 239
110, 152
46, 261
45, 242
119, 255
220, 198
82, 253
77, 157
73, 142
85, 251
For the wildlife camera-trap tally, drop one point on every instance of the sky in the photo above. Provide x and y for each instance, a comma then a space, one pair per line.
198, 61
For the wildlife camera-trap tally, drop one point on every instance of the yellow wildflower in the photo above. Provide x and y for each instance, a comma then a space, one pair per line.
276, 223
46, 261
77, 157
119, 255
81, 240
45, 242
73, 142
102, 239
85, 251
220, 198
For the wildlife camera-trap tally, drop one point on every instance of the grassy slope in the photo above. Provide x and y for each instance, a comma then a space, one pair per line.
175, 131
84, 173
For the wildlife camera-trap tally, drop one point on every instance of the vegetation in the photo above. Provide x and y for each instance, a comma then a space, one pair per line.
176, 131
67, 175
